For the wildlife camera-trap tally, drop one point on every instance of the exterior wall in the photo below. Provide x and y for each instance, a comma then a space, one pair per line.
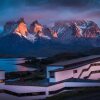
95, 76
2, 78
62, 75
79, 70
28, 89
52, 80
24, 89
2, 75
2, 85
51, 68
66, 74
49, 91
93, 68
81, 84
88, 71
56, 87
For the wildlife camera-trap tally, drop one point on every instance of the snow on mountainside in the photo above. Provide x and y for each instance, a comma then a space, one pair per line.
69, 30
41, 41
62, 30
39, 30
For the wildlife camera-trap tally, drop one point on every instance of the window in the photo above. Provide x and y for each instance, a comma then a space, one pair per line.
51, 74
1, 81
24, 94
74, 71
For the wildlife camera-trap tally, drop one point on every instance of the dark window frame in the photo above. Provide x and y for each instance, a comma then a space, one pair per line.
75, 71
52, 74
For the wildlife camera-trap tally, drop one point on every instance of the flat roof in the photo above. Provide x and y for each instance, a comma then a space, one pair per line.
67, 62
46, 83
78, 62
2, 70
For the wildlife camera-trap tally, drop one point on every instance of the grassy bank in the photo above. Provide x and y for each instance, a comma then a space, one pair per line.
83, 94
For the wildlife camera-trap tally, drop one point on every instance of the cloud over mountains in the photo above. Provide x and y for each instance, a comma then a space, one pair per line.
48, 11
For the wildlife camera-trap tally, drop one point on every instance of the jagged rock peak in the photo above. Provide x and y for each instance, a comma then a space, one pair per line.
21, 28
80, 28
9, 27
36, 28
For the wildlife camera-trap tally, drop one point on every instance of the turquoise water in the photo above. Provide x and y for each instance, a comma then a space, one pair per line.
10, 65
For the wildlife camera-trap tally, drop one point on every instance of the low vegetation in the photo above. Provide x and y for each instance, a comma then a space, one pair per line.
82, 94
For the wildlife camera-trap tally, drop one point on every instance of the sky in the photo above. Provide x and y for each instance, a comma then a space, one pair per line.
49, 11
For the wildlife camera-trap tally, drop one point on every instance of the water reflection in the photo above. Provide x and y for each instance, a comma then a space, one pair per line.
11, 65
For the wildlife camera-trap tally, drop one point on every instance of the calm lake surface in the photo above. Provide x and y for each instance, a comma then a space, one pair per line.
10, 65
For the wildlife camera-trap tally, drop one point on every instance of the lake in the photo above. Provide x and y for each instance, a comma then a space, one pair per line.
12, 65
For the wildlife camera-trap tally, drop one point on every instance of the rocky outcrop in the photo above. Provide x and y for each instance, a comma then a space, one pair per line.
21, 28
68, 29
36, 28
89, 29
9, 27
62, 30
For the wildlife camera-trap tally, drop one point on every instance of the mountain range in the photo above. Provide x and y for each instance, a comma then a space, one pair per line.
37, 40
